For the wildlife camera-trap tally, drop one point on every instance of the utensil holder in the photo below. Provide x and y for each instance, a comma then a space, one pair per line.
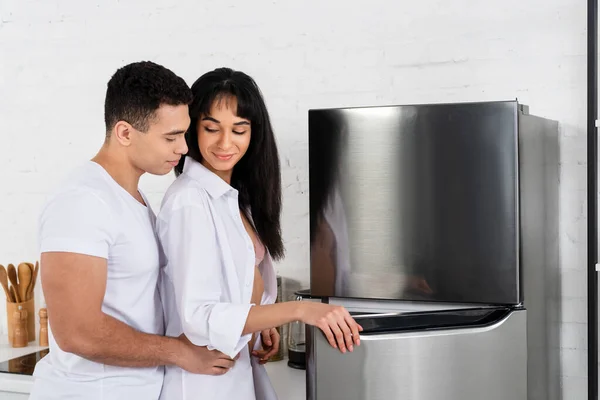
29, 306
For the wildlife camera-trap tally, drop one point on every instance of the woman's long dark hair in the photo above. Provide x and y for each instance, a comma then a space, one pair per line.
257, 175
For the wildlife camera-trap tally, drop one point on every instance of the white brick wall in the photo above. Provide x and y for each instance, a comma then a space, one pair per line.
56, 56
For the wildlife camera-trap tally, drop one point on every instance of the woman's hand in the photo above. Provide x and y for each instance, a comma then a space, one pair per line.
270, 345
341, 330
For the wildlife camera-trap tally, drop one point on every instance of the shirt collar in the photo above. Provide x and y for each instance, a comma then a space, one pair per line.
214, 185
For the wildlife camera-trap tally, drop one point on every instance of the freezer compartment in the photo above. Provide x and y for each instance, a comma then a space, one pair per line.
452, 355
416, 202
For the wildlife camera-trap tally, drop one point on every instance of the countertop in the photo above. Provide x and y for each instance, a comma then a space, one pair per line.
289, 383
15, 383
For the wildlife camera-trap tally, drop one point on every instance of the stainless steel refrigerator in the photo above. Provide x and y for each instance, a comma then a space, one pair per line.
436, 225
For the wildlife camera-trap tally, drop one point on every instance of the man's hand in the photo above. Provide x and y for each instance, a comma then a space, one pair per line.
270, 345
200, 360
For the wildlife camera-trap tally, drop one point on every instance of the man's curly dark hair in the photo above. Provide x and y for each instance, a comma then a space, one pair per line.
137, 90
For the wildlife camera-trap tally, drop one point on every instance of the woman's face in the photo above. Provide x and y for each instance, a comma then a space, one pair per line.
223, 137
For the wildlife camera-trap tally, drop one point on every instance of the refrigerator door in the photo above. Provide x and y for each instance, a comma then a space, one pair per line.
415, 202
450, 355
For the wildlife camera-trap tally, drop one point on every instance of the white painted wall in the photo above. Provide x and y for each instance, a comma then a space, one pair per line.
57, 55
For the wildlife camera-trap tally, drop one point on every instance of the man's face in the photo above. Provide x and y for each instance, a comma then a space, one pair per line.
158, 150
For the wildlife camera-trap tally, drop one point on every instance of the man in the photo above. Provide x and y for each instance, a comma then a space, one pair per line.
100, 256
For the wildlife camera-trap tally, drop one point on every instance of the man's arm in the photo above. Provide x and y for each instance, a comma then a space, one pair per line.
74, 287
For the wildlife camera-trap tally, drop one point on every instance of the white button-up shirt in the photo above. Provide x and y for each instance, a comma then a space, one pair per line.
207, 284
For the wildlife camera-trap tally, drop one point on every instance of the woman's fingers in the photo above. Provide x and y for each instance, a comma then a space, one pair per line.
346, 331
266, 337
274, 349
354, 328
329, 335
348, 335
340, 330
339, 336
265, 354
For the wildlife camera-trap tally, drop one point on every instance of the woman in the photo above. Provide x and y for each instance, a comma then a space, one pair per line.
219, 226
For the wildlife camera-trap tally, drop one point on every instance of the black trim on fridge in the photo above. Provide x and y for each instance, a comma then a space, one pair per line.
592, 196
432, 320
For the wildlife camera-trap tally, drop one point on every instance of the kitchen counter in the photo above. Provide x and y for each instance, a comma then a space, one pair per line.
289, 383
14, 386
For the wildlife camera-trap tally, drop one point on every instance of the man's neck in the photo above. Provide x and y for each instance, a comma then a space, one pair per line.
120, 169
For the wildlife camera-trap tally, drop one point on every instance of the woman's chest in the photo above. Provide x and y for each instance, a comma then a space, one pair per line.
238, 255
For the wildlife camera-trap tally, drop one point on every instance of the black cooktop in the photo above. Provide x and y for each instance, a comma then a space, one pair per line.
23, 365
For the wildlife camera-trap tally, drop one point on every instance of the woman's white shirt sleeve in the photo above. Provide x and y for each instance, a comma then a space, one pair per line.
189, 239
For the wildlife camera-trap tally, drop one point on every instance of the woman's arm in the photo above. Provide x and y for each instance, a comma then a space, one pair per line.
339, 327
187, 233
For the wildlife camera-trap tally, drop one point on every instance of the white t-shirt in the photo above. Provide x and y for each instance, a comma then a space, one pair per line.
92, 214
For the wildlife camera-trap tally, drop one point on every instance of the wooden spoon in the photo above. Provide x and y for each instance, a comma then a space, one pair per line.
30, 287
13, 293
12, 277
4, 283
24, 272
33, 278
